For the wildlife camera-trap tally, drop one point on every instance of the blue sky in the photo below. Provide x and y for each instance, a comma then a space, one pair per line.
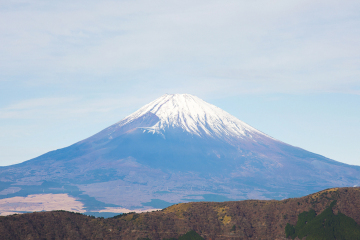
68, 69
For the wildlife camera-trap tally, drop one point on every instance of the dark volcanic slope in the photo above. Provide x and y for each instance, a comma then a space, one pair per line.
250, 219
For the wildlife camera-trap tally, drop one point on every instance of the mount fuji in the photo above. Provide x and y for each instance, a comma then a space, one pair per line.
177, 148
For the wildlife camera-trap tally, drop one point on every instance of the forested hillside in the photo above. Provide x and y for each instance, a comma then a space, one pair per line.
250, 219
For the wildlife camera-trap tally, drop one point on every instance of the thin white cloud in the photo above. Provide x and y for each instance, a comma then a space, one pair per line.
38, 103
64, 107
291, 44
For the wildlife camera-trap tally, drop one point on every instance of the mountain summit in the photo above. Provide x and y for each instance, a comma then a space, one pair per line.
177, 148
185, 115
192, 115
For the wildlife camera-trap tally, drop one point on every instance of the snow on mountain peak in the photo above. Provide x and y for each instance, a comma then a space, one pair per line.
192, 115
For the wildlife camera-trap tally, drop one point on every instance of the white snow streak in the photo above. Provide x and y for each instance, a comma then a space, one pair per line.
193, 115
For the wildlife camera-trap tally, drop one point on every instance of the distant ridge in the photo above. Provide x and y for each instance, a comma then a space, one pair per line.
250, 219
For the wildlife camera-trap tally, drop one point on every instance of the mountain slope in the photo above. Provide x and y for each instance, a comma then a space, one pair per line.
177, 148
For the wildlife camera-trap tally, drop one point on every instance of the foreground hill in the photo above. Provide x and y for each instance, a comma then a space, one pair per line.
249, 219
175, 149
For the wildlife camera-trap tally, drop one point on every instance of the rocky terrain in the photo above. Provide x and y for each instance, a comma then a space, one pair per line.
248, 219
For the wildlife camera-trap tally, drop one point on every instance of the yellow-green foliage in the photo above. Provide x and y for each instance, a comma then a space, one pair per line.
129, 217
270, 202
223, 215
178, 209
316, 195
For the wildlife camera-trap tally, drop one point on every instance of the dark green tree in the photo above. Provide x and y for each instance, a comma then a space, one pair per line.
325, 226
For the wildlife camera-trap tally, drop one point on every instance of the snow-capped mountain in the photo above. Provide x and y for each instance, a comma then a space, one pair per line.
177, 148
190, 114
186, 114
